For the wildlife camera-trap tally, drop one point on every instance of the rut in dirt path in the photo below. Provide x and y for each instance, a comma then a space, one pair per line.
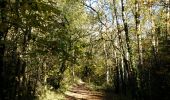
82, 92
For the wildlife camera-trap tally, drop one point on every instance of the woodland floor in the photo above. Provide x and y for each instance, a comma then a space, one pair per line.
82, 92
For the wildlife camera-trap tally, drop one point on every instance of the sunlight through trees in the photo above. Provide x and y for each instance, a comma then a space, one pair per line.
49, 46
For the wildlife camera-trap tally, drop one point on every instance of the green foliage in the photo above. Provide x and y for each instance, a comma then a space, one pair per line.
54, 43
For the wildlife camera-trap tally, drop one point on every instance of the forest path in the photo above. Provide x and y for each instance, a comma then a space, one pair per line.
82, 92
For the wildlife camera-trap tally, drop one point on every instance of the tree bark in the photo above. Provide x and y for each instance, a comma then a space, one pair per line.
106, 65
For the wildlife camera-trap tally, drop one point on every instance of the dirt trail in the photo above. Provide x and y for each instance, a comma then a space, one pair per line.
82, 92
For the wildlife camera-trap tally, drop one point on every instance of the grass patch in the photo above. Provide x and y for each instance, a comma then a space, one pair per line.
48, 93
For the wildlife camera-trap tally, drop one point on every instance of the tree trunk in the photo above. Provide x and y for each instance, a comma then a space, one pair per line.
106, 65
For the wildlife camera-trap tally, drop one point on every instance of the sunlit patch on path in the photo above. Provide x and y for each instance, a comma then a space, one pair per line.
82, 92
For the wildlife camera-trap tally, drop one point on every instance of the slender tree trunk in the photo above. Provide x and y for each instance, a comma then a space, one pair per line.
123, 76
124, 60
117, 81
127, 37
116, 69
139, 45
153, 37
106, 65
138, 34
